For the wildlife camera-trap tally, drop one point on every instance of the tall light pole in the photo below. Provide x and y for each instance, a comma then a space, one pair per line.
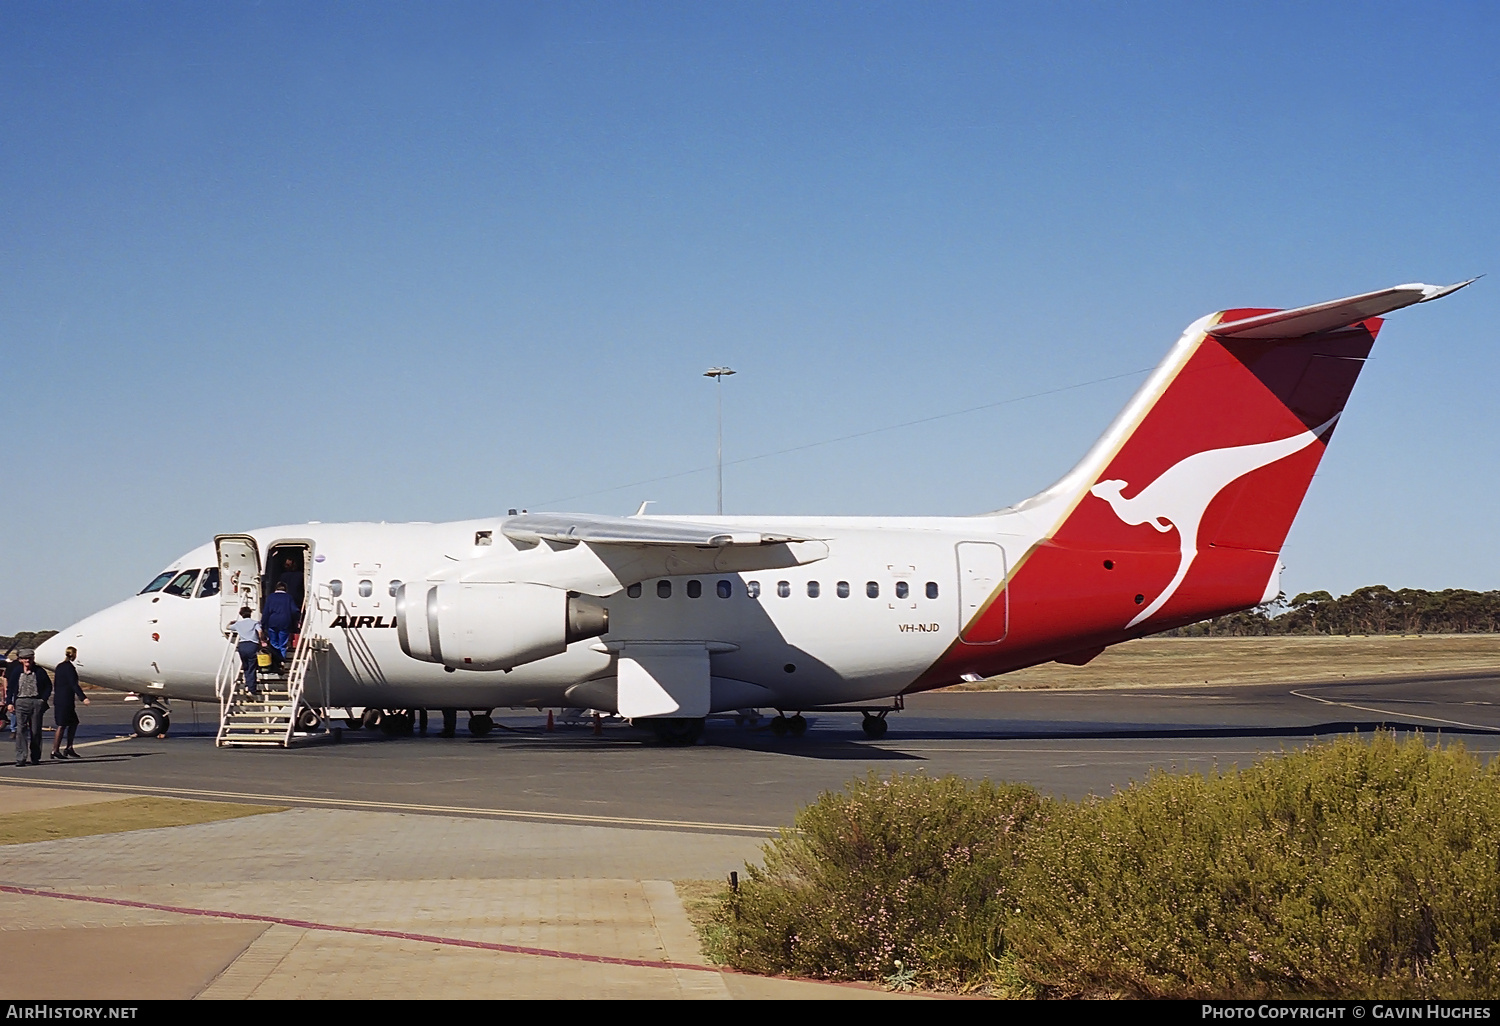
719, 374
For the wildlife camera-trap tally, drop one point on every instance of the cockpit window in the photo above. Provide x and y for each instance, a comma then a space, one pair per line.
182, 584
159, 582
210, 584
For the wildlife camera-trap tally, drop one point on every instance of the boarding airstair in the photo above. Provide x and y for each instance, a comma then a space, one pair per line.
269, 718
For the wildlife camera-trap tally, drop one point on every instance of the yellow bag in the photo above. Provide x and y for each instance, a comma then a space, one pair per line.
263, 659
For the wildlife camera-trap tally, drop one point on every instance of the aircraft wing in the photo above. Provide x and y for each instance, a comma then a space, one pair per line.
604, 530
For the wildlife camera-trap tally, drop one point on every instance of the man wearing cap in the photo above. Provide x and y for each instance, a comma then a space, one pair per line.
27, 689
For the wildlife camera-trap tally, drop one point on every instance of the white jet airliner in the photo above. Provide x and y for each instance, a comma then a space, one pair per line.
1178, 513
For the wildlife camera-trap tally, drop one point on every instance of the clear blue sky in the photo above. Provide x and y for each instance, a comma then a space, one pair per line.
272, 262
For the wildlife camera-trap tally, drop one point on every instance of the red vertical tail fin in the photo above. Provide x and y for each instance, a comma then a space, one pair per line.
1180, 510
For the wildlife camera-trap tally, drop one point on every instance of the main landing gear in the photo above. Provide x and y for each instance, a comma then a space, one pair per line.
481, 723
872, 720
676, 731
794, 725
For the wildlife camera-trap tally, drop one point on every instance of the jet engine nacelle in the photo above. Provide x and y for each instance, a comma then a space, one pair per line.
493, 626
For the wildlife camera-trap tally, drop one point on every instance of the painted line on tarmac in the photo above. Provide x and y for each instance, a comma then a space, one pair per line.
108, 741
305, 924
1399, 715
573, 818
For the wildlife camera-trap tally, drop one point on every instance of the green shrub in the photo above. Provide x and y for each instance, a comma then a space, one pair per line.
909, 869
1349, 869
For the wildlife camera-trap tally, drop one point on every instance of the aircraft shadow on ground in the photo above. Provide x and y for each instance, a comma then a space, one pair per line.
1148, 733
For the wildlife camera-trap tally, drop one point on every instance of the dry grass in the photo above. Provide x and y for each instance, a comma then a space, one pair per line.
113, 817
701, 899
1164, 662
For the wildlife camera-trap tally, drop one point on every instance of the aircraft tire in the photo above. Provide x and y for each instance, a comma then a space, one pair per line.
307, 720
481, 724
779, 726
149, 722
355, 723
677, 731
874, 727
798, 725
371, 719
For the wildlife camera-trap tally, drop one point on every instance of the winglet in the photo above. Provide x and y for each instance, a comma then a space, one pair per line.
1431, 292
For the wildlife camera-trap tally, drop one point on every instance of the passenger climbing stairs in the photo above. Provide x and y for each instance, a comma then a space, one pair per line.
270, 717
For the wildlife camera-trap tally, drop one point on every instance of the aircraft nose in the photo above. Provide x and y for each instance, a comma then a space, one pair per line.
50, 652
104, 646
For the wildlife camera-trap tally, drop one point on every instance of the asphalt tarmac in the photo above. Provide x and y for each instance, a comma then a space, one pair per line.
741, 778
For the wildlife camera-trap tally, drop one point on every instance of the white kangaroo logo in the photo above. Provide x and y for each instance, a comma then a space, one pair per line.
1180, 496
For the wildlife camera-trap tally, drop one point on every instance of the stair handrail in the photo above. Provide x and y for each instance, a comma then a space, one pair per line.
226, 678
296, 677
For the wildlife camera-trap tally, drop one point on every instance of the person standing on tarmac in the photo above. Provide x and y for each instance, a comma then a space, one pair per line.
65, 689
26, 694
5, 665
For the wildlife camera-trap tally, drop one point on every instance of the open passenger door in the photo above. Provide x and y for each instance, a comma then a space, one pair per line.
239, 576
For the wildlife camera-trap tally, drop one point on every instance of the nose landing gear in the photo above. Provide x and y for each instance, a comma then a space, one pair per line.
151, 721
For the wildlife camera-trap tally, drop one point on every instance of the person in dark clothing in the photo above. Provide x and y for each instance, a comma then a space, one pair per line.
279, 620
5, 665
27, 689
291, 576
65, 689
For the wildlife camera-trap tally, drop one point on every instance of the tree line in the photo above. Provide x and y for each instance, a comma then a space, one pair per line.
26, 639
1372, 610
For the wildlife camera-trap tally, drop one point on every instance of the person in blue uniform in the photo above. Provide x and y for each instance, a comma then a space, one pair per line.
65, 691
248, 636
279, 620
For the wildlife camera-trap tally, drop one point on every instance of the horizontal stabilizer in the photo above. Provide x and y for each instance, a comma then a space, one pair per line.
1331, 316
595, 529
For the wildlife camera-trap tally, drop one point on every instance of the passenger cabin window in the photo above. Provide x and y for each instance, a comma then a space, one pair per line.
902, 590
335, 588
932, 589
752, 589
210, 584
695, 589
634, 591
182, 584
872, 589
158, 582
783, 588
814, 589
843, 589
395, 587
366, 589
725, 589
663, 589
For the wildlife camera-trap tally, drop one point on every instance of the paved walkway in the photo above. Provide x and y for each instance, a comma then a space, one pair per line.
327, 903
